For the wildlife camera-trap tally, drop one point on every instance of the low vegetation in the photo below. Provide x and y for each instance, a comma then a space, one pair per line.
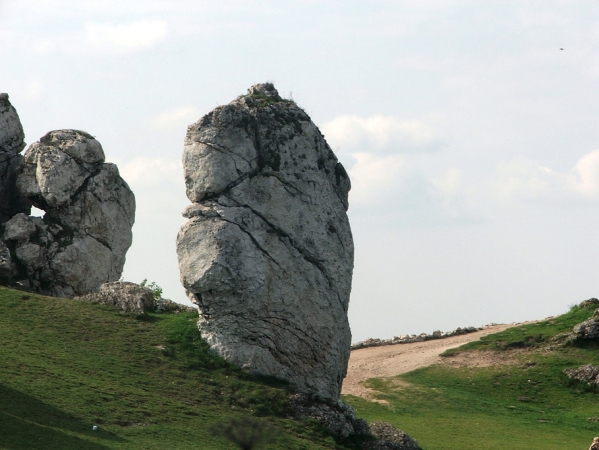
152, 383
146, 383
523, 401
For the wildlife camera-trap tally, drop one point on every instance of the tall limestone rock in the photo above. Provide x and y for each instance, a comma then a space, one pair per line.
84, 236
82, 240
12, 142
267, 252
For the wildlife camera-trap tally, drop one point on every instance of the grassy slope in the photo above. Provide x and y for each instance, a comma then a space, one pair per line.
527, 404
147, 383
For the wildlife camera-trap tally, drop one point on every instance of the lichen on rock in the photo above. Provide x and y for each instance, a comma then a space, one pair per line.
267, 252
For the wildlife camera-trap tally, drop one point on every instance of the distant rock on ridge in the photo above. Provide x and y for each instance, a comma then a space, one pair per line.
82, 240
267, 252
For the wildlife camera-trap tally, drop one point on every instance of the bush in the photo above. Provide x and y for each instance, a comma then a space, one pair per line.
156, 290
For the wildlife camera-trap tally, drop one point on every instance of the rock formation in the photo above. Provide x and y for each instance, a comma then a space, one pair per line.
586, 373
267, 252
12, 142
389, 438
82, 239
132, 298
589, 329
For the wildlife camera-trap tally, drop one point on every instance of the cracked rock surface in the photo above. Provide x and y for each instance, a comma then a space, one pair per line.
82, 240
267, 252
11, 144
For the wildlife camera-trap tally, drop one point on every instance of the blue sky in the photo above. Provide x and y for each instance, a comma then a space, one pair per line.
470, 137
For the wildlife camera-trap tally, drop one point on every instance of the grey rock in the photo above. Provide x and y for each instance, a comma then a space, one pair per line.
589, 329
590, 303
132, 298
267, 252
164, 305
337, 417
585, 374
389, 438
58, 165
6, 268
12, 142
19, 228
82, 240
124, 296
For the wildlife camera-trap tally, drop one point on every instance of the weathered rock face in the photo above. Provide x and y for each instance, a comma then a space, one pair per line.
585, 374
86, 231
11, 144
267, 253
389, 438
82, 240
338, 418
124, 296
589, 329
132, 298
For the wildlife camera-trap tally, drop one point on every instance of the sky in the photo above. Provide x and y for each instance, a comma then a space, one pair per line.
469, 130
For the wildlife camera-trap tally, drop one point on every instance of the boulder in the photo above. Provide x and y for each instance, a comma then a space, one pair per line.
12, 142
589, 329
124, 296
338, 418
6, 268
267, 252
389, 438
585, 374
132, 298
82, 240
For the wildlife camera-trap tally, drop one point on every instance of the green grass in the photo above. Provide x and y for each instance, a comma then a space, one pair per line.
147, 383
527, 404
528, 336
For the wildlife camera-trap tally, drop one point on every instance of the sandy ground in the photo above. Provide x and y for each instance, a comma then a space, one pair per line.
390, 360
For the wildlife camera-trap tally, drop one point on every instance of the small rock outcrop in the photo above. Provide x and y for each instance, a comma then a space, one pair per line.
389, 438
132, 298
585, 374
589, 329
267, 252
338, 418
340, 421
82, 240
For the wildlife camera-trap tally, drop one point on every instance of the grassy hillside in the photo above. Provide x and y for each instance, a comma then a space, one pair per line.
151, 383
522, 402
147, 383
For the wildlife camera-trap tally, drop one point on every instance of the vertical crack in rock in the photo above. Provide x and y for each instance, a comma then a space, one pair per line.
82, 240
267, 252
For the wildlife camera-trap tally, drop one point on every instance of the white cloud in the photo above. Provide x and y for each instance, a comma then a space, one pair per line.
176, 119
528, 180
34, 89
142, 173
587, 175
132, 37
450, 182
372, 174
378, 134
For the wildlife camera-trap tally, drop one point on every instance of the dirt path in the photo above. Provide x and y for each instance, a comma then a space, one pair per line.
391, 360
